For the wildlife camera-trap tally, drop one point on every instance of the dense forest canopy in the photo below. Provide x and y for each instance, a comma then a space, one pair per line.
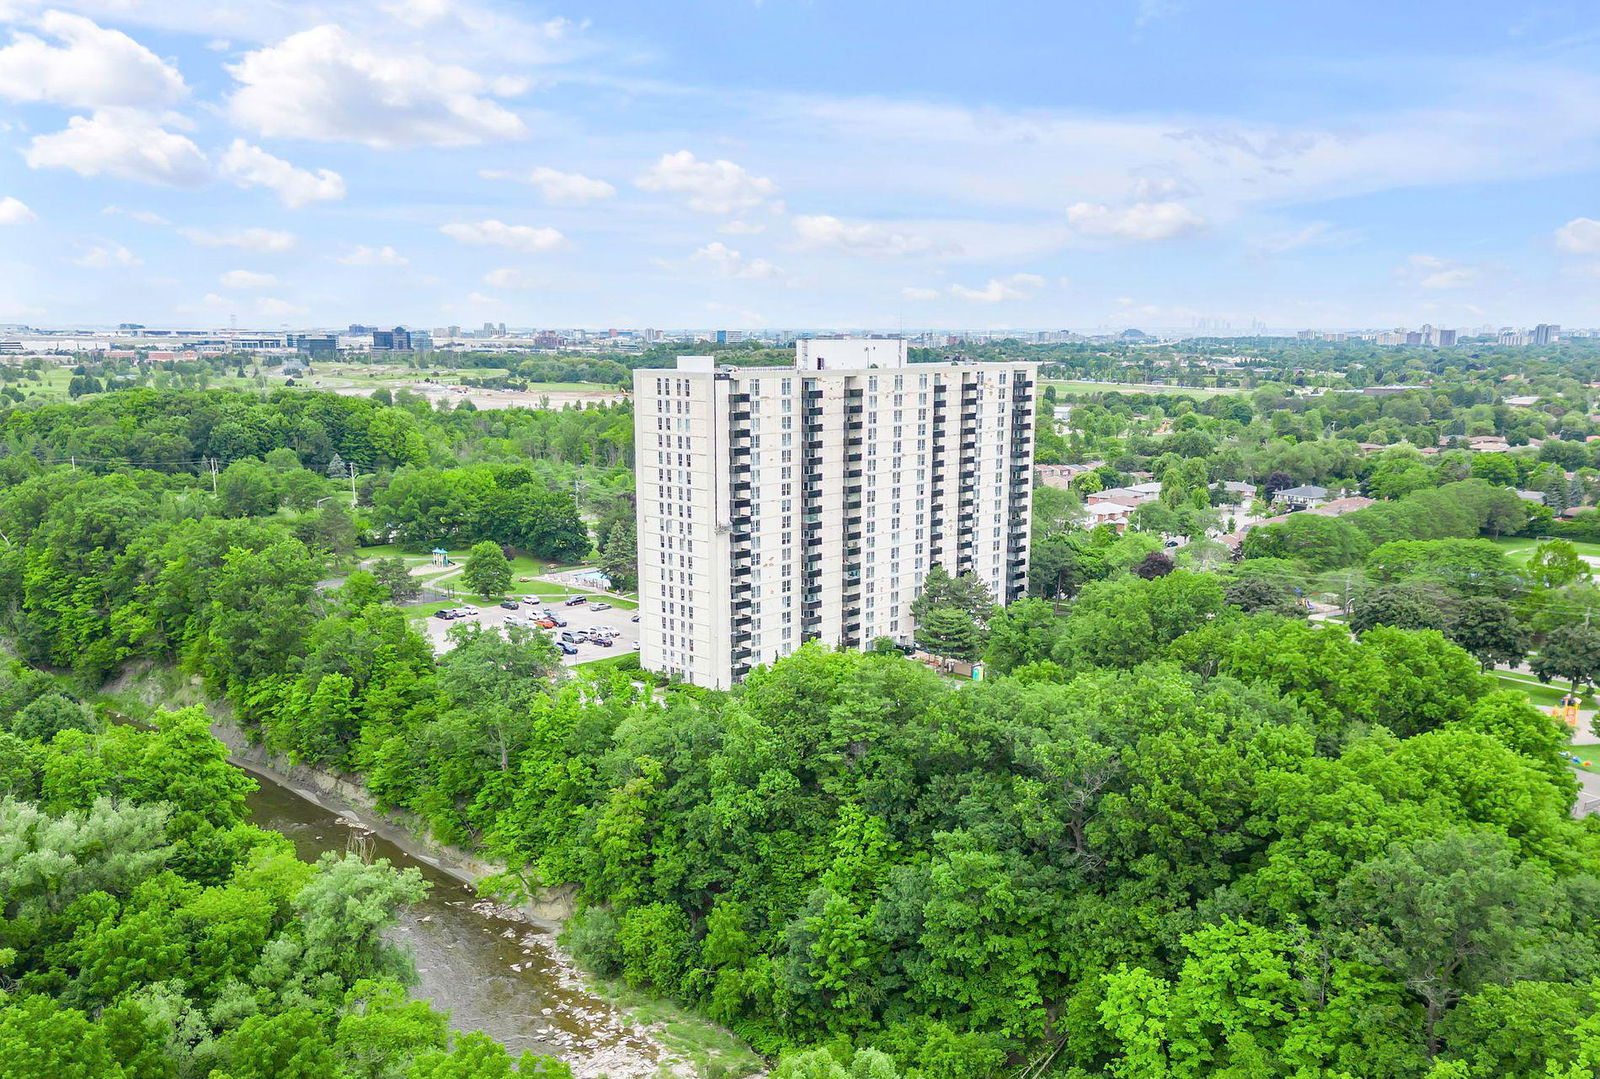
1177, 829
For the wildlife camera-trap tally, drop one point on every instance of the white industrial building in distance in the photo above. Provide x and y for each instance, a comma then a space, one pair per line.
780, 505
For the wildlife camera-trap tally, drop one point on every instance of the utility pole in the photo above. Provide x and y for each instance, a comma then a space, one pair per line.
211, 463
352, 485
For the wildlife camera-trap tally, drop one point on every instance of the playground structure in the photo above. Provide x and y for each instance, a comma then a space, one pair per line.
1567, 710
441, 557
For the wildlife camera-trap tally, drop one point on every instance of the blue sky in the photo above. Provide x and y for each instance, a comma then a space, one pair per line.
788, 164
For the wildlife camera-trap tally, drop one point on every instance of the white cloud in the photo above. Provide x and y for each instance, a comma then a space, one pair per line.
1142, 221
1316, 234
565, 188
251, 166
324, 84
710, 187
264, 240
739, 316
820, 232
512, 278
1019, 286
730, 263
271, 305
124, 143
362, 255
1151, 11
247, 279
1581, 236
915, 293
105, 256
1433, 272
517, 237
92, 67
13, 211
741, 228
144, 217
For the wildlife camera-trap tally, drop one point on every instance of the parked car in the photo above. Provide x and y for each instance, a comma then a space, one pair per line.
568, 637
445, 614
544, 623
466, 612
511, 605
603, 642
573, 601
635, 618
599, 606
566, 649
556, 618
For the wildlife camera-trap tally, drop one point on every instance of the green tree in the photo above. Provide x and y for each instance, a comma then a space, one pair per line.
1489, 629
487, 572
620, 560
1400, 606
1023, 633
395, 576
1445, 915
949, 631
1569, 652
1556, 563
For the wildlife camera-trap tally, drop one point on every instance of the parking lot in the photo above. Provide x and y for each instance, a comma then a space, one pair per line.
578, 617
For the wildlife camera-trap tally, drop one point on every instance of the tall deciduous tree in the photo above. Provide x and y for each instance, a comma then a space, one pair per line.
487, 572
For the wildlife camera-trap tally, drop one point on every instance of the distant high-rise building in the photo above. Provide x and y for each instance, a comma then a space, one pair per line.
721, 337
395, 340
357, 329
1447, 338
318, 346
1546, 333
779, 505
501, 330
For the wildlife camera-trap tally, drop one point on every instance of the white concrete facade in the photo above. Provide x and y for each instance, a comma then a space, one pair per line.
780, 505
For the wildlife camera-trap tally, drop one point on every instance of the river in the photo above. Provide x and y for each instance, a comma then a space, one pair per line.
490, 971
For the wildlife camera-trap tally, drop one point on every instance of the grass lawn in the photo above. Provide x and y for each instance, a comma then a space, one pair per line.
1519, 550
1539, 695
599, 666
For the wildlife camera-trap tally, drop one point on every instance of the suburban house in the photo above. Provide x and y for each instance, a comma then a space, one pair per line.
1301, 498
1061, 476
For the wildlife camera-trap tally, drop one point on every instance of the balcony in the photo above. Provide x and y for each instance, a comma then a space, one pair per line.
740, 415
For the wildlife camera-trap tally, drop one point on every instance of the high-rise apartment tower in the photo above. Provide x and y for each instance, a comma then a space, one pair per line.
779, 505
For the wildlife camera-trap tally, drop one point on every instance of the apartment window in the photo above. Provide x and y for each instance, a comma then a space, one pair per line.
788, 385
872, 383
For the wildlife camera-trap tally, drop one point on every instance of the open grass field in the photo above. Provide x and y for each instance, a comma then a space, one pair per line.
1201, 393
1539, 695
1519, 550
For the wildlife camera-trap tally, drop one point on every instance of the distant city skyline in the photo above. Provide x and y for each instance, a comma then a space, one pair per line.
1161, 164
